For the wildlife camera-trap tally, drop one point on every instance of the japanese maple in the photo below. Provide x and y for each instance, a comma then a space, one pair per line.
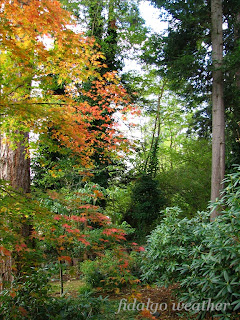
30, 65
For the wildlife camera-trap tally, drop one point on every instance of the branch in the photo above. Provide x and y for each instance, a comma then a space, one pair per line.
50, 103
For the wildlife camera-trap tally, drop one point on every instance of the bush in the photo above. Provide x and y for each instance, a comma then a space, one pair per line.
109, 271
169, 245
147, 200
28, 297
204, 257
85, 306
31, 300
214, 272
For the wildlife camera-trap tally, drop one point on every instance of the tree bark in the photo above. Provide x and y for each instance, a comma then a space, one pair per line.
218, 121
15, 168
15, 164
237, 38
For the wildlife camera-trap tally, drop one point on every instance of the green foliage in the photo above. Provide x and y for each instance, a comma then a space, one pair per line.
179, 160
147, 200
202, 256
168, 246
54, 167
112, 312
109, 271
84, 289
187, 181
118, 202
214, 272
136, 264
116, 25
85, 306
183, 56
92, 275
30, 299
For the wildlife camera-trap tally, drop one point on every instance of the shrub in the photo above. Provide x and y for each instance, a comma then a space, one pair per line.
147, 200
31, 300
203, 256
85, 306
109, 271
28, 297
214, 273
169, 245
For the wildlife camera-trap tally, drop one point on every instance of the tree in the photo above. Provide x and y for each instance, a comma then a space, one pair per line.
117, 27
181, 162
29, 68
23, 59
147, 201
28, 59
218, 111
184, 57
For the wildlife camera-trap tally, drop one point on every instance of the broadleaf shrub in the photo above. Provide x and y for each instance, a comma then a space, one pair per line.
27, 297
109, 271
31, 299
202, 256
169, 245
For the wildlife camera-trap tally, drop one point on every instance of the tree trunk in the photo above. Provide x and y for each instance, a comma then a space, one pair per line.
15, 168
15, 164
218, 122
155, 138
61, 278
237, 38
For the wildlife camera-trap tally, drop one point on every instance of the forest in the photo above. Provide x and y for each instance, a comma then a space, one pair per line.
119, 160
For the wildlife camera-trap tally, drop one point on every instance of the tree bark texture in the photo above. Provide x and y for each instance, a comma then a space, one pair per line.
218, 121
15, 168
15, 164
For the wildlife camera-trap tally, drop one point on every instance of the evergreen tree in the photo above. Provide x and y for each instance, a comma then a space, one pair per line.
186, 55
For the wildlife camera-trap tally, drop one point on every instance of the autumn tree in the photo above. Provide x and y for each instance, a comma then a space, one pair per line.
118, 28
38, 47
106, 22
25, 58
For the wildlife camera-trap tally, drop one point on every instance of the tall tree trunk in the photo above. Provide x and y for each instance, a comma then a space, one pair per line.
218, 122
237, 38
15, 168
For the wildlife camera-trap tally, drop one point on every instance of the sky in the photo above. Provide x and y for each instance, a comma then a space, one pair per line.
151, 16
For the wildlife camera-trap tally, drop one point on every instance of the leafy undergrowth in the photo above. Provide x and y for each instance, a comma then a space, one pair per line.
71, 287
148, 297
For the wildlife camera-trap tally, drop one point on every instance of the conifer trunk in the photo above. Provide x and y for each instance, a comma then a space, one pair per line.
218, 122
237, 38
15, 164
15, 168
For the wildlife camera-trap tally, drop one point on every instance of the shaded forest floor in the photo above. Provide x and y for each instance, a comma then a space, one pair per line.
147, 297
